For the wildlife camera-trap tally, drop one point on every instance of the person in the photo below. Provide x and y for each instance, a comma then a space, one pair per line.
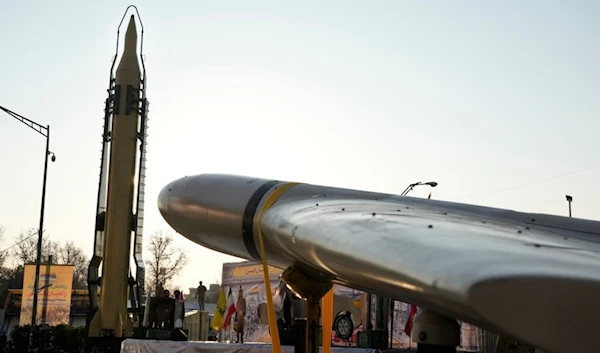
288, 307
201, 294
240, 306
162, 312
167, 309
179, 309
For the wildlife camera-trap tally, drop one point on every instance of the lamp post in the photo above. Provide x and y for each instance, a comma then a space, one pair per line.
569, 200
412, 186
44, 131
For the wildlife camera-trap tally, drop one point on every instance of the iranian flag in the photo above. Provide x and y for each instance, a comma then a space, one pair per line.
230, 309
411, 311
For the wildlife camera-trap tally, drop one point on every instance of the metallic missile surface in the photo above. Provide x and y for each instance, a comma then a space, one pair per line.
529, 276
112, 313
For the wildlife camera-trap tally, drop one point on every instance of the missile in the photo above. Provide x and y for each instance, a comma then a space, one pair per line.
509, 272
112, 306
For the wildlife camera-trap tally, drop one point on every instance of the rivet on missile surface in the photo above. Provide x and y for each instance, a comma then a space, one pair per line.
343, 209
398, 210
446, 213
483, 222
519, 231
373, 214
317, 204
430, 226
407, 207
169, 189
565, 238
537, 245
527, 228
533, 219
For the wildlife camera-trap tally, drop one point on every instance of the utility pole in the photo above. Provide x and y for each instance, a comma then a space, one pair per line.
569, 200
412, 186
44, 131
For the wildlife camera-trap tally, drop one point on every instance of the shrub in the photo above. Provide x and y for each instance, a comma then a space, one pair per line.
57, 339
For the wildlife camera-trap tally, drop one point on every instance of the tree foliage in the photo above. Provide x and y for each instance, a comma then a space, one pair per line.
165, 263
3, 254
23, 250
72, 254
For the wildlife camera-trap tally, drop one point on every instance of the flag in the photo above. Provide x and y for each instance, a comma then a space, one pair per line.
230, 309
411, 310
217, 321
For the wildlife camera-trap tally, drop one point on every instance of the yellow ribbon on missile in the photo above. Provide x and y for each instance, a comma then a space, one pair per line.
327, 320
275, 342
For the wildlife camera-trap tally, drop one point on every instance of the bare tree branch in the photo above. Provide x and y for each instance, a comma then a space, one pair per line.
3, 254
71, 254
166, 261
25, 251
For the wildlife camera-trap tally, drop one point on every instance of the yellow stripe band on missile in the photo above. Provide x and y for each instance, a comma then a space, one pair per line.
275, 343
327, 320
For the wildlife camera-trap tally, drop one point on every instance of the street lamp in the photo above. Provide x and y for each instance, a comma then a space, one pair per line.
44, 131
412, 186
569, 200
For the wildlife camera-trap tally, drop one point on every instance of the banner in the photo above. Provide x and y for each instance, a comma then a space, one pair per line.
247, 272
55, 287
249, 276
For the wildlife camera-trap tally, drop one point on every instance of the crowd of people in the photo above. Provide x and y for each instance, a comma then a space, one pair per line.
165, 293
166, 312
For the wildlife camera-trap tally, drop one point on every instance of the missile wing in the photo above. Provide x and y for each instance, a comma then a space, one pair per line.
532, 277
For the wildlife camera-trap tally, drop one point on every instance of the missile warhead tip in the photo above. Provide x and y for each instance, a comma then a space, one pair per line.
131, 35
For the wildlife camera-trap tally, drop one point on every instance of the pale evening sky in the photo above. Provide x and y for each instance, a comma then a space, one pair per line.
372, 95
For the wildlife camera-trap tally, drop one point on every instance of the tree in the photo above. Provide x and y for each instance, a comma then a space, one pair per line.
71, 254
166, 261
25, 250
3, 253
7, 274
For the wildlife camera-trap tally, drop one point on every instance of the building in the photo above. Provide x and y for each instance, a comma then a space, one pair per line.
80, 303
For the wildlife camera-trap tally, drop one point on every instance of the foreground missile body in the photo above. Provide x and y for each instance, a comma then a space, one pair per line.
529, 276
111, 314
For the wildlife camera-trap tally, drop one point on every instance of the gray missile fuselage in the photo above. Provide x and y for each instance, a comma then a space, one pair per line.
498, 269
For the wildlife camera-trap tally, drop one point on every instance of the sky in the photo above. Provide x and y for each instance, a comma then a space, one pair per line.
497, 102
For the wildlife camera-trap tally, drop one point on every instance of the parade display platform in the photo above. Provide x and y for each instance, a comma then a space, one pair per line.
160, 346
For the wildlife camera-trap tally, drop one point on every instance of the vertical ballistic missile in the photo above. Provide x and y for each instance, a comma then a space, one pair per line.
112, 306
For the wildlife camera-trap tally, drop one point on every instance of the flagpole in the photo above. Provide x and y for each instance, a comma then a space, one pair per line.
392, 307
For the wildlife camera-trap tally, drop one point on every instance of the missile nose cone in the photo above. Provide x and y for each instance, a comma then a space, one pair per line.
211, 209
131, 36
163, 200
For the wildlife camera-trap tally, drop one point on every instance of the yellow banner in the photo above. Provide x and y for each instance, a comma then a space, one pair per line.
253, 270
55, 287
